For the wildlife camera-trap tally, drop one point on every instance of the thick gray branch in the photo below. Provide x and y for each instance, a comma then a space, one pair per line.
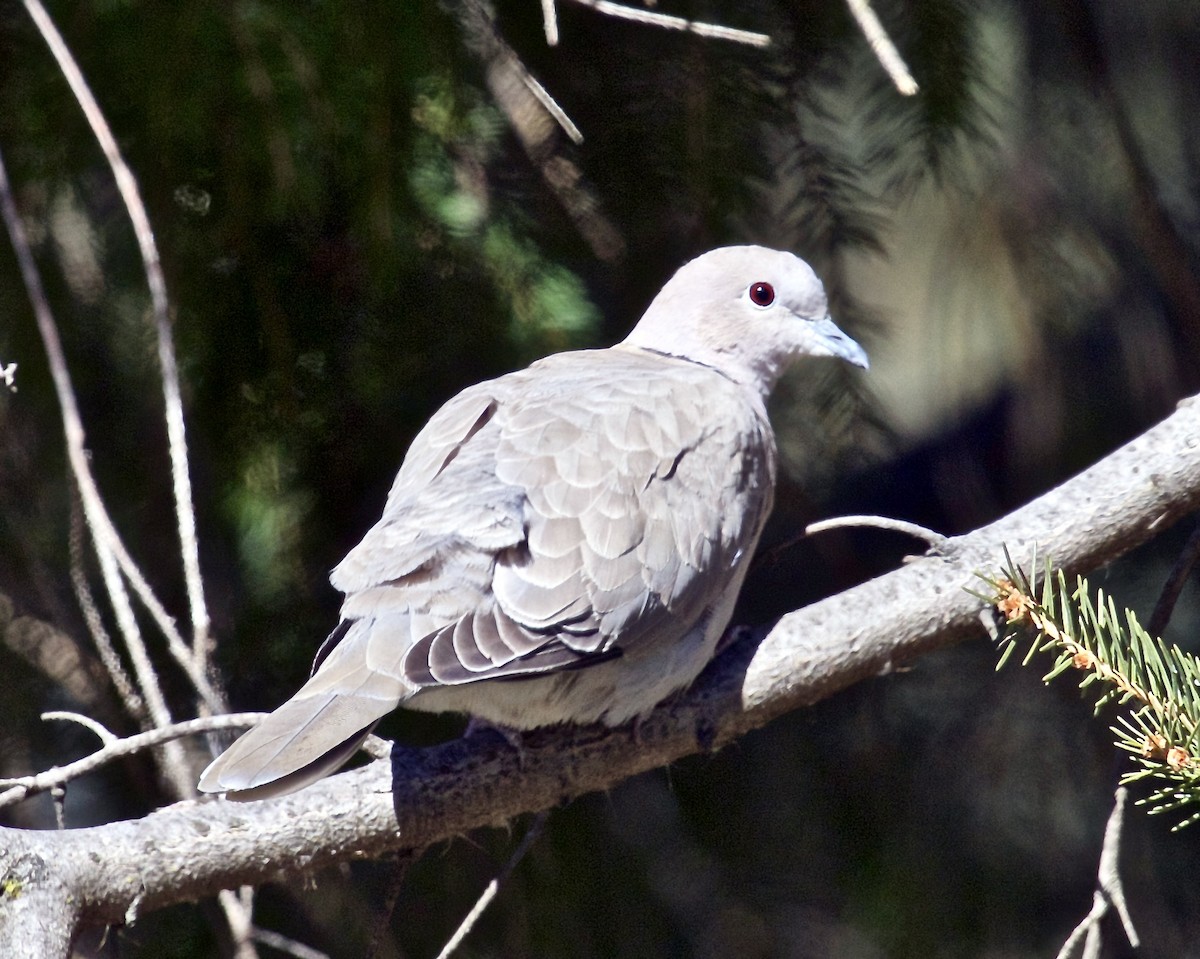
108, 874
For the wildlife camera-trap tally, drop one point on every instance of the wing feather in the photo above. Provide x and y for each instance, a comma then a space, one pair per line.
552, 515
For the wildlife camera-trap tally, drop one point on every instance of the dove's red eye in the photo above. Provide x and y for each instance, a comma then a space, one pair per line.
762, 294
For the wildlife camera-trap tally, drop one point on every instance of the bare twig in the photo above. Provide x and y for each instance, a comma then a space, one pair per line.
106, 735
110, 551
1174, 585
505, 66
1085, 939
175, 765
710, 30
528, 108
936, 541
239, 913
105, 536
881, 45
22, 787
130, 697
177, 443
493, 887
1109, 873
391, 896
552, 107
58, 796
550, 22
286, 945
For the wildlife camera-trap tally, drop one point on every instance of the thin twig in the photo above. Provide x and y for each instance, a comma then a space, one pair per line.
99, 522
493, 887
1174, 585
499, 54
284, 944
881, 45
58, 796
239, 914
1109, 892
711, 30
97, 516
174, 763
78, 458
176, 438
391, 896
132, 700
106, 735
19, 788
935, 541
552, 107
1109, 873
550, 22
526, 105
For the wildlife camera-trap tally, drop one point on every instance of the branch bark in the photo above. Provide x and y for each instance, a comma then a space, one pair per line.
52, 883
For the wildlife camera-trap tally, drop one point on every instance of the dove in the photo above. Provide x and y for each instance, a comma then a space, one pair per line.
565, 543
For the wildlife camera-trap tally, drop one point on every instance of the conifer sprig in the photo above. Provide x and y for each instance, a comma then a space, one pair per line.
1158, 682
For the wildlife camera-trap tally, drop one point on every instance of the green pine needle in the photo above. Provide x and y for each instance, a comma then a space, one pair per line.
1158, 682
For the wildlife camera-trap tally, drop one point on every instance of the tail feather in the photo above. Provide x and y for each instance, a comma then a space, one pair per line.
304, 739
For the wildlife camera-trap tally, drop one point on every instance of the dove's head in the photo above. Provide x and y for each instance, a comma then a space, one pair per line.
747, 311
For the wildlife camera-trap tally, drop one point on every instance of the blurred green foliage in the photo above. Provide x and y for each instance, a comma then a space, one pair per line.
353, 230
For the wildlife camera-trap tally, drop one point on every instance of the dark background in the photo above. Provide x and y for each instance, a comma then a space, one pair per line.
352, 232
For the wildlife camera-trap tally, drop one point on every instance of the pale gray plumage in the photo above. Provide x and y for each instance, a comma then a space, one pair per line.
580, 528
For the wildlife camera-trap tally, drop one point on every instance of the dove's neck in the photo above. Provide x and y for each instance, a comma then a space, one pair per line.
675, 337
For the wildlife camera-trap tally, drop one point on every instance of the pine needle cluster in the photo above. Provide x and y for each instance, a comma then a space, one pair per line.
1155, 685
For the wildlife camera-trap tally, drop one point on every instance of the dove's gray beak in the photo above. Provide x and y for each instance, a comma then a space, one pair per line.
830, 339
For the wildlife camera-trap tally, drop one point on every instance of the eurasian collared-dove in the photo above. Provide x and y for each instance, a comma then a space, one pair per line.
564, 543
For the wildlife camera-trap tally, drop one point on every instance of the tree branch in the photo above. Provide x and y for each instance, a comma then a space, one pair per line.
193, 849
16, 790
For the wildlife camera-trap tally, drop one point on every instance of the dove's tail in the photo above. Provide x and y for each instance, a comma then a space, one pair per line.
309, 736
